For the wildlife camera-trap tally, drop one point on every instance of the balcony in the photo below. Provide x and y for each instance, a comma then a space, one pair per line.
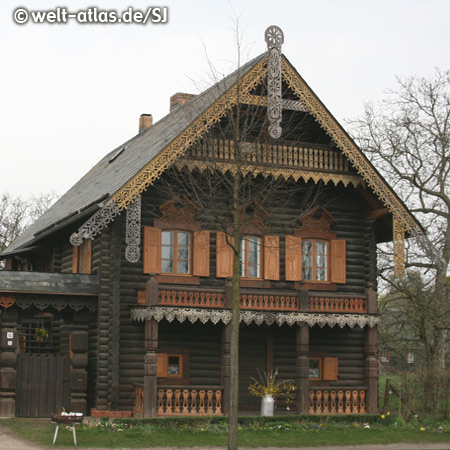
254, 300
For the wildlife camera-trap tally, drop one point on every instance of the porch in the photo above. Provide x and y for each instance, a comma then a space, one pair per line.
279, 330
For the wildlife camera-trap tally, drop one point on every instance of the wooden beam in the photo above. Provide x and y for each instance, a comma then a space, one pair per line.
376, 213
259, 100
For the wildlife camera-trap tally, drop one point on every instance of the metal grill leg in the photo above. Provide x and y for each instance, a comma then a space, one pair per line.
56, 434
74, 435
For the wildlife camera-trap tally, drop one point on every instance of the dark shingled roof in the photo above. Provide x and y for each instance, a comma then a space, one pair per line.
110, 173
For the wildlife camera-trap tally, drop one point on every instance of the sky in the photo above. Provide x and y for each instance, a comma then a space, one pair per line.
71, 92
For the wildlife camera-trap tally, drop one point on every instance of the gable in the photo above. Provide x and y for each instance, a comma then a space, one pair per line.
121, 180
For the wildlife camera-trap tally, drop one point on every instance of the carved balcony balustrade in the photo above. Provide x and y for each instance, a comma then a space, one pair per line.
287, 301
183, 400
333, 400
316, 158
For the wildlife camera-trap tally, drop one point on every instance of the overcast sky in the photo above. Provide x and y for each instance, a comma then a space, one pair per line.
70, 93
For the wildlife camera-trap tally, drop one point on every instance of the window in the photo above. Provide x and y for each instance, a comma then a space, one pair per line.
323, 369
315, 260
175, 252
172, 366
81, 257
315, 368
260, 257
320, 262
251, 257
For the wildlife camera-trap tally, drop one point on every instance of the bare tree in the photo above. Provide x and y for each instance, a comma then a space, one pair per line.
408, 137
17, 213
227, 177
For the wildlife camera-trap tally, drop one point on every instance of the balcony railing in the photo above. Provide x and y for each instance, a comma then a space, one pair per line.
190, 401
273, 154
252, 300
337, 401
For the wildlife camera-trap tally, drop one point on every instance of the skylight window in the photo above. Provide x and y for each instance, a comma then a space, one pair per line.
118, 153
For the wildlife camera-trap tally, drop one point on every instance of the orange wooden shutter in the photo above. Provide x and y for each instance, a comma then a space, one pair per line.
86, 259
271, 257
293, 258
330, 369
161, 365
75, 258
224, 256
152, 250
338, 264
201, 254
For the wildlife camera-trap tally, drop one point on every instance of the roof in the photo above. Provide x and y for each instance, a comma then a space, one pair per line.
127, 170
110, 173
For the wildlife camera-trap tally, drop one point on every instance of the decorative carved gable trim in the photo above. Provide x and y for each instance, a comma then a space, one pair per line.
316, 220
178, 209
6, 301
348, 147
153, 170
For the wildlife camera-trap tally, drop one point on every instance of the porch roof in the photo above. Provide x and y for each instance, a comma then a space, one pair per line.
258, 317
48, 283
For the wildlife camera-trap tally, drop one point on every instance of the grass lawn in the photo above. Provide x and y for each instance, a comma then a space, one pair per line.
266, 434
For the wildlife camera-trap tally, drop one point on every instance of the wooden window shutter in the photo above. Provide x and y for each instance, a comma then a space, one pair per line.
152, 250
86, 249
224, 256
293, 258
330, 369
338, 261
201, 254
271, 257
161, 365
75, 259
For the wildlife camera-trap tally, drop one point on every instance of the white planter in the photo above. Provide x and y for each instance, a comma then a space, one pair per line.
267, 405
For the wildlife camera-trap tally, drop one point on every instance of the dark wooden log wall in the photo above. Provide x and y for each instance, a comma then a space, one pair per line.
120, 341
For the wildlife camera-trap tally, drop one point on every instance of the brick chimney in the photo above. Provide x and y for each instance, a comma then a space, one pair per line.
178, 99
145, 121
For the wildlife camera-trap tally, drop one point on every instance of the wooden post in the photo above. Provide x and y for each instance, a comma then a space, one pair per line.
372, 305
371, 370
303, 296
8, 347
150, 368
152, 290
225, 367
78, 376
302, 369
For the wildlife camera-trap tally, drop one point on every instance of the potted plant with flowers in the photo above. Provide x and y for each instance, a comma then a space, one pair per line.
41, 334
268, 388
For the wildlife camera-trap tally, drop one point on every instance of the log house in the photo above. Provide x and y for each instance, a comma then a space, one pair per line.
135, 298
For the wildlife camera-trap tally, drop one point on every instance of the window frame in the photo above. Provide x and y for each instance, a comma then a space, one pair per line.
164, 378
314, 266
246, 263
328, 368
175, 252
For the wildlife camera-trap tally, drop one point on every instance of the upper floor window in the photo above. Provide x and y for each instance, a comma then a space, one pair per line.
251, 257
171, 252
176, 252
315, 260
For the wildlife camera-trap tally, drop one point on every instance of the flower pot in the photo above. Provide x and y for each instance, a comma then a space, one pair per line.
39, 338
267, 405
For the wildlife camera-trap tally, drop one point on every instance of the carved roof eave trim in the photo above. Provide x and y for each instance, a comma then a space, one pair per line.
373, 179
58, 302
153, 170
284, 173
192, 315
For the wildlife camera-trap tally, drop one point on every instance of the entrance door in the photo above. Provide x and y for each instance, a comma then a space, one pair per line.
42, 384
255, 352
